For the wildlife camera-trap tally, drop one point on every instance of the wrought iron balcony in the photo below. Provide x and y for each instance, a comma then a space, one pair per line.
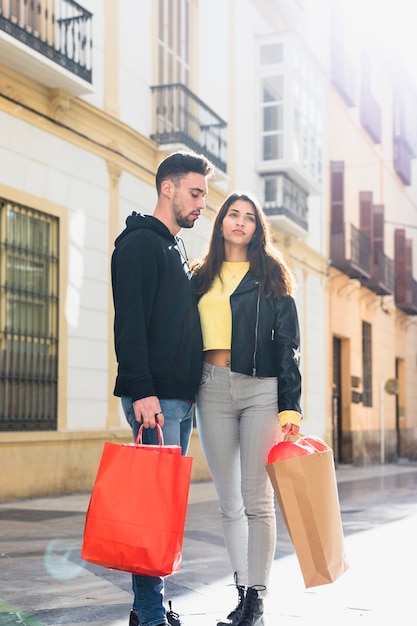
286, 204
181, 118
59, 31
350, 252
382, 281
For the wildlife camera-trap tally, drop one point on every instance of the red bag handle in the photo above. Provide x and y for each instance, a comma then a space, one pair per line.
160, 436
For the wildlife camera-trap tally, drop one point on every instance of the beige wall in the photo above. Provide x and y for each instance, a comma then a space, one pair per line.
392, 339
45, 464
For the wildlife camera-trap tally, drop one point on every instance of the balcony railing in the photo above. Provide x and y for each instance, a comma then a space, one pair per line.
286, 203
182, 118
60, 30
350, 252
382, 281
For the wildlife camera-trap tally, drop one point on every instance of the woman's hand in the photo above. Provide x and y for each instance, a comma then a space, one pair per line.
290, 429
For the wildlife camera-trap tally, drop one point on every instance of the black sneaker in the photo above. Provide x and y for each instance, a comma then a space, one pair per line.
172, 617
133, 619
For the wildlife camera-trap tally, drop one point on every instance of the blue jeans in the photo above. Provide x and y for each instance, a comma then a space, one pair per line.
237, 424
149, 590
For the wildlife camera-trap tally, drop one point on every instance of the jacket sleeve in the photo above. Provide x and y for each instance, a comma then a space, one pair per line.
287, 341
134, 280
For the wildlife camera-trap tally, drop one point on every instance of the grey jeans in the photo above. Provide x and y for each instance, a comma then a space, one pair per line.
238, 425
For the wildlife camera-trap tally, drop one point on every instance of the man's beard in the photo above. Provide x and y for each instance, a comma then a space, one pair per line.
183, 221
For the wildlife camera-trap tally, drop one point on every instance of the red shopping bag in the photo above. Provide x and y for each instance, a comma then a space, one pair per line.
304, 481
136, 516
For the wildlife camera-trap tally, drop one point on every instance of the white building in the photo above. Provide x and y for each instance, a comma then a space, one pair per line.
92, 96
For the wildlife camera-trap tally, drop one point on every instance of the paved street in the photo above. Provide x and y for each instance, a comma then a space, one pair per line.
43, 581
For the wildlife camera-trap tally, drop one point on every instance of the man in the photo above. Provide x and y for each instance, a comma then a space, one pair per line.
157, 330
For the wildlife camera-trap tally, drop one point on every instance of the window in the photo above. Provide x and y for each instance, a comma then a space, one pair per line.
173, 63
370, 109
291, 102
307, 143
367, 363
271, 54
173, 42
273, 117
28, 318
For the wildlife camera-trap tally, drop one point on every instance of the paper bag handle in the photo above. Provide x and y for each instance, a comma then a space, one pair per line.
160, 436
291, 437
314, 444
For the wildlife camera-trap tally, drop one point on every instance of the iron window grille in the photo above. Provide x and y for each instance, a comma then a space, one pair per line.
29, 266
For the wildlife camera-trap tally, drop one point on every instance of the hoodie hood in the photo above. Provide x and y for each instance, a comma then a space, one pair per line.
138, 221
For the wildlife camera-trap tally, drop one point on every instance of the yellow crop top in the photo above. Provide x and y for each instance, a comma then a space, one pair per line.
214, 306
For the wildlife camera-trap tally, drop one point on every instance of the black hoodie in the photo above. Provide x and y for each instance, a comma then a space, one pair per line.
157, 330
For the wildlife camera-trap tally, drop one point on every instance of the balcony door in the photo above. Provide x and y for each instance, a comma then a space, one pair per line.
173, 61
27, 14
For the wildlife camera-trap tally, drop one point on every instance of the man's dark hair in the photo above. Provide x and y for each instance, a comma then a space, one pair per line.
179, 164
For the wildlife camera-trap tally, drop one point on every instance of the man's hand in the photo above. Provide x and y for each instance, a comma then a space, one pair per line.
148, 412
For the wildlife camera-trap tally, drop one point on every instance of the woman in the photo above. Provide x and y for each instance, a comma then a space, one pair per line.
250, 374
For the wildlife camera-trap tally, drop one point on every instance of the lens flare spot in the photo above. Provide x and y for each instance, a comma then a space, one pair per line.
62, 559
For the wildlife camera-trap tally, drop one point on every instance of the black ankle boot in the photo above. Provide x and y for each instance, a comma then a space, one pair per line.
235, 616
253, 608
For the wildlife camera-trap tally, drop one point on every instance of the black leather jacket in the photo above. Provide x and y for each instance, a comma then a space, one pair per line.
266, 340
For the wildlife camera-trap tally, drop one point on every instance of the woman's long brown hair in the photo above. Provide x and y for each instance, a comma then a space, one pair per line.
265, 261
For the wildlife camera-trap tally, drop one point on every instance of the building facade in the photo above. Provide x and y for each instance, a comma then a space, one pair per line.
373, 221
92, 96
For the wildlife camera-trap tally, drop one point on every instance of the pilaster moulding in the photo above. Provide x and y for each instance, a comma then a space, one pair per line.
12, 94
115, 172
60, 103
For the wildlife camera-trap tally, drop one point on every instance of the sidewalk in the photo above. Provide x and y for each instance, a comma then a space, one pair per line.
43, 581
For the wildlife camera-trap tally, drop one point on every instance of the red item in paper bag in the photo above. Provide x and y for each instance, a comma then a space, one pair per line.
288, 449
304, 481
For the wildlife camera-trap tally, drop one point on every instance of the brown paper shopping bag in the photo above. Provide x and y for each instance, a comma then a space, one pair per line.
306, 490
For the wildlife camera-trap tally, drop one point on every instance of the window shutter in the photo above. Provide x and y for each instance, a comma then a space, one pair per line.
337, 211
366, 220
399, 242
378, 231
408, 270
337, 193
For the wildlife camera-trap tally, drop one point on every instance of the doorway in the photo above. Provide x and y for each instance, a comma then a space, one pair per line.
337, 401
